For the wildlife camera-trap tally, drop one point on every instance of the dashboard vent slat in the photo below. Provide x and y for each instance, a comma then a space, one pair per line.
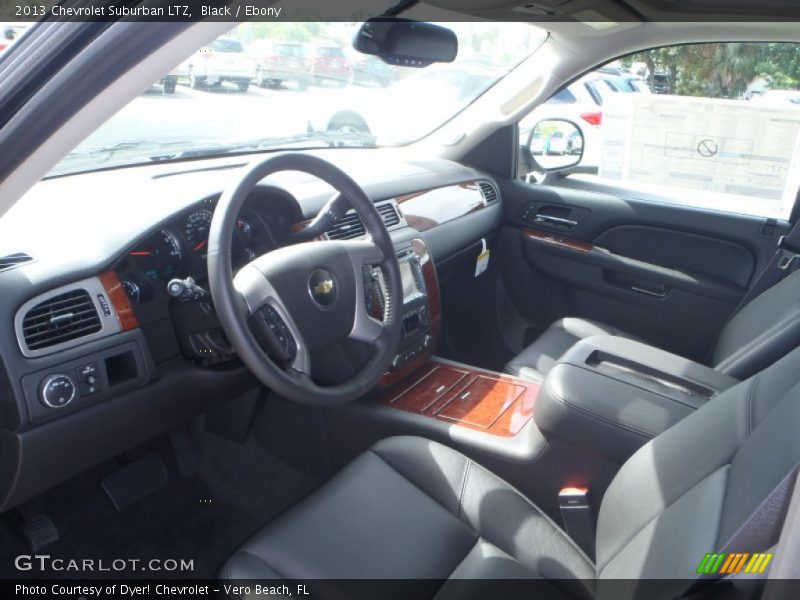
488, 192
389, 214
14, 260
350, 226
59, 319
347, 228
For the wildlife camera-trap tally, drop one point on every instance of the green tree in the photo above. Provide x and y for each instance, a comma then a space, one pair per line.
721, 70
781, 65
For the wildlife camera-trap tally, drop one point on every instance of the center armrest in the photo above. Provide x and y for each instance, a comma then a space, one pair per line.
610, 395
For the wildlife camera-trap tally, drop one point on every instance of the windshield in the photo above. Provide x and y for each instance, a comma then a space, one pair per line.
298, 85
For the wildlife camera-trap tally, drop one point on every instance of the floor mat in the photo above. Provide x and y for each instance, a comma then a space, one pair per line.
204, 517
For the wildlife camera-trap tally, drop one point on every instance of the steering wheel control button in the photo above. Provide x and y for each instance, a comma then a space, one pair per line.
57, 391
278, 337
322, 287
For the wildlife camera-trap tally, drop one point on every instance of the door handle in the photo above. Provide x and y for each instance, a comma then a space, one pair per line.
659, 291
548, 220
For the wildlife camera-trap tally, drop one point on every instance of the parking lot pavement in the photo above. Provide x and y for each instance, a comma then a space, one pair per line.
215, 115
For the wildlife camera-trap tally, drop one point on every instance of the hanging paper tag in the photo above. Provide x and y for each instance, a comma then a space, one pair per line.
482, 262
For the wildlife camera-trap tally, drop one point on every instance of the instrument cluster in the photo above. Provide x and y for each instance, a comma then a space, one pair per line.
179, 249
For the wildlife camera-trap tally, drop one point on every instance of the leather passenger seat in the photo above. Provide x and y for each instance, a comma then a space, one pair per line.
410, 508
763, 331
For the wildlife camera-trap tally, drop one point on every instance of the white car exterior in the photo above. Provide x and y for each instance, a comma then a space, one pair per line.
435, 91
582, 103
222, 60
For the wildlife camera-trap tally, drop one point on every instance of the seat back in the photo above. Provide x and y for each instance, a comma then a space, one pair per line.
763, 331
686, 492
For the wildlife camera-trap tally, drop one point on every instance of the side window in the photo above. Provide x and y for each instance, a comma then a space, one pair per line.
708, 125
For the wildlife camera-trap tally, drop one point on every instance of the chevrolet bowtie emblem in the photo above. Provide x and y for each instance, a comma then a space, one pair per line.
324, 287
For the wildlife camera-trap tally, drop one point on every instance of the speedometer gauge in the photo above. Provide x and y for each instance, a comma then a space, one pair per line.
159, 256
196, 229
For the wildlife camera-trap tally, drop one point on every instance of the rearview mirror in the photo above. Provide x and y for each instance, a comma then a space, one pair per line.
405, 42
556, 144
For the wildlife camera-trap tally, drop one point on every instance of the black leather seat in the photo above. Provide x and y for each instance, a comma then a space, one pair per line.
412, 508
759, 334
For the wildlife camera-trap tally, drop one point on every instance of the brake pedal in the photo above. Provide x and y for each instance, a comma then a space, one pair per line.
39, 531
135, 480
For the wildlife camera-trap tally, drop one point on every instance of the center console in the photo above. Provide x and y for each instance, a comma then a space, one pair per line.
416, 338
448, 392
609, 395
421, 311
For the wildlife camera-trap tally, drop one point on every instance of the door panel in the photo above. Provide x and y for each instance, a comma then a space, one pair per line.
667, 273
686, 252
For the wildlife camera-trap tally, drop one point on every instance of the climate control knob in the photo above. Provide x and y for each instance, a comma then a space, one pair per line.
57, 391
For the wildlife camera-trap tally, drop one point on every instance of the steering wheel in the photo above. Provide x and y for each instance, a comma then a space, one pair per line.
294, 300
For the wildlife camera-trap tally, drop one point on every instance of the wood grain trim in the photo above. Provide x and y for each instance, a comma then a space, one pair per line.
462, 395
434, 315
558, 241
427, 209
119, 300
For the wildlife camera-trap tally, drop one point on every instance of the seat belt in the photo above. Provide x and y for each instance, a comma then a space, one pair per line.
745, 552
576, 514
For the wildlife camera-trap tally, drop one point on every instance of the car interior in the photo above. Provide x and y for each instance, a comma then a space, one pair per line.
412, 363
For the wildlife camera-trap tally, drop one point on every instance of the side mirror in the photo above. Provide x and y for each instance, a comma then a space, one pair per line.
405, 42
556, 145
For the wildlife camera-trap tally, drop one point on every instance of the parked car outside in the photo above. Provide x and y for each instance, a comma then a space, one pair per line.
558, 144
582, 103
575, 143
628, 84
169, 82
661, 83
276, 62
224, 59
538, 143
330, 65
435, 91
371, 69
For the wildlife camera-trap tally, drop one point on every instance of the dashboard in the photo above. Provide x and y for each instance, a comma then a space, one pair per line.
143, 362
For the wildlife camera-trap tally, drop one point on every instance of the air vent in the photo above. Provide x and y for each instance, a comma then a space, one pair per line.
389, 214
351, 226
59, 319
13, 260
488, 192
